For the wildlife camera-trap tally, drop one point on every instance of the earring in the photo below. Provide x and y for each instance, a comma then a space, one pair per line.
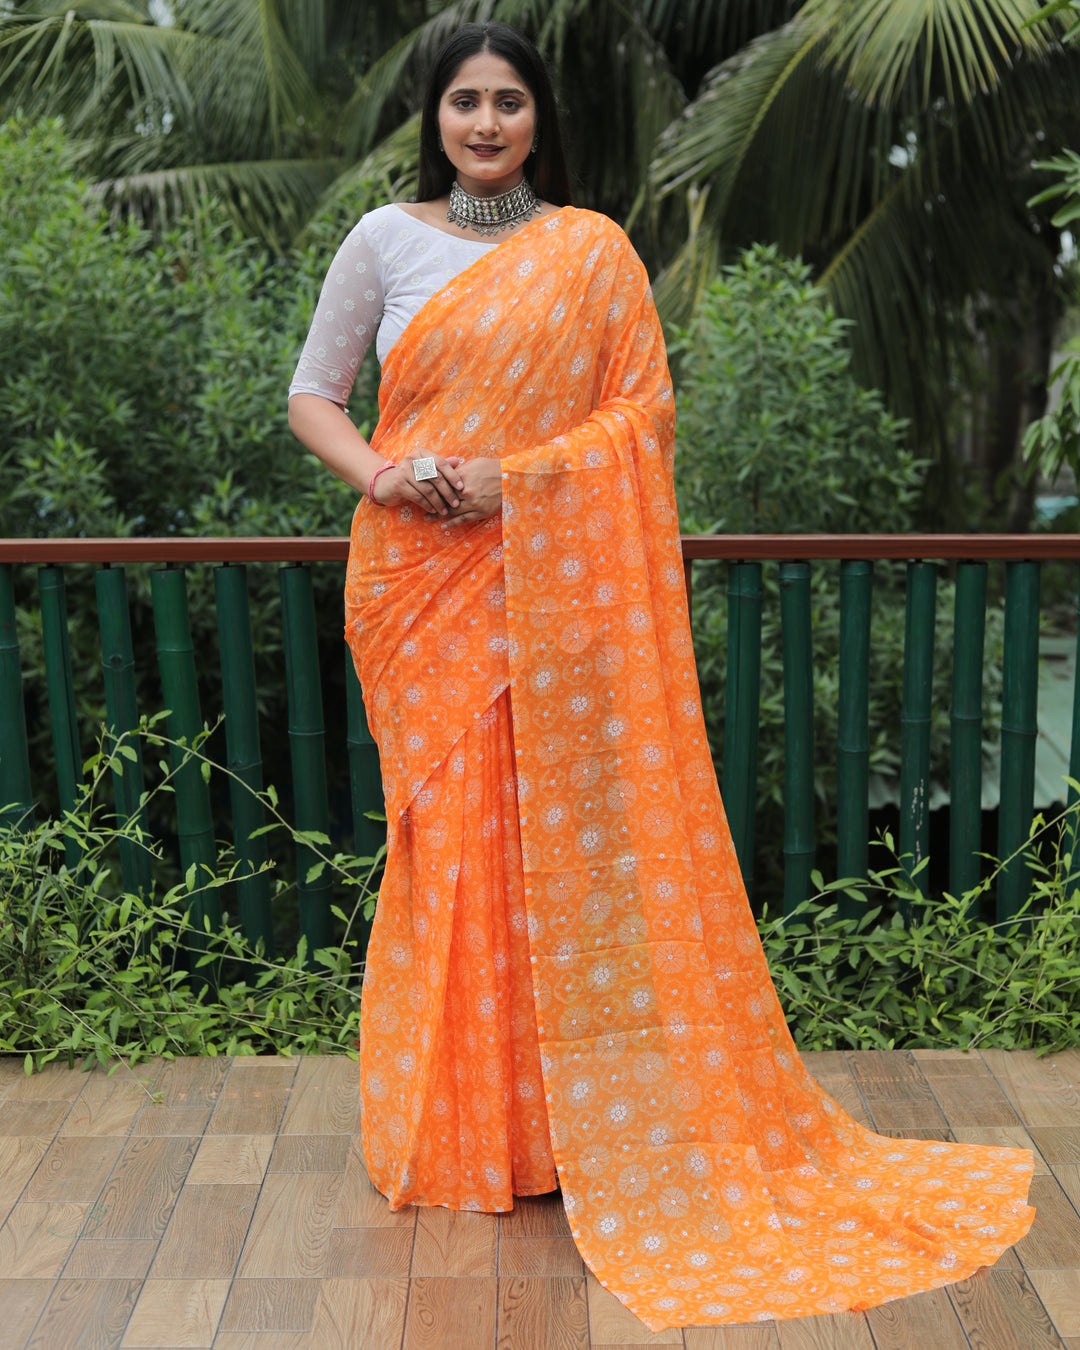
441, 150
536, 143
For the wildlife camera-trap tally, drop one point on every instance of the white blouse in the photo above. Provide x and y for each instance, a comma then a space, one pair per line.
389, 266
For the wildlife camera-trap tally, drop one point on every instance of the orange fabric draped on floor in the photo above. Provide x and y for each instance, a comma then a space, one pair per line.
564, 970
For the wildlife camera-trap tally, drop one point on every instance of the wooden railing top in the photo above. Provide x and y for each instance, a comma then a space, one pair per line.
178, 549
732, 547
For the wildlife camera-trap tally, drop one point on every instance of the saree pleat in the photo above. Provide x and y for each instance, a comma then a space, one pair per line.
706, 1177
453, 1094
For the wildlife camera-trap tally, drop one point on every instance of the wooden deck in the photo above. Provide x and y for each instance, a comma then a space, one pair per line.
225, 1203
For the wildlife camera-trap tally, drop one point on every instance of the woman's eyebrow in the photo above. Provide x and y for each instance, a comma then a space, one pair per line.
454, 93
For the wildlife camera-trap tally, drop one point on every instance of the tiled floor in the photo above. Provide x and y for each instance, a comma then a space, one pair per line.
225, 1204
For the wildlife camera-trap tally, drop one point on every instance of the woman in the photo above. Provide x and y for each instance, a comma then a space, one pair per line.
564, 976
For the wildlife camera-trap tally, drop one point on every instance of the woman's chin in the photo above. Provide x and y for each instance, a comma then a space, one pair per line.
486, 178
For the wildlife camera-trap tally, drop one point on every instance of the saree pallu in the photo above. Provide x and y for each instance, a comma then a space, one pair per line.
564, 967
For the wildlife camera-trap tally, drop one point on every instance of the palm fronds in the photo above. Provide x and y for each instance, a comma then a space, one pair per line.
957, 49
883, 143
252, 86
271, 199
85, 70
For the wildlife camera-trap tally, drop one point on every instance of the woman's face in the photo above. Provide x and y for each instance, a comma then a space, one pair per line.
487, 120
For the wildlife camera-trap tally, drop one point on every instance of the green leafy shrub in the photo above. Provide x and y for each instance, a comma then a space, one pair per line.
143, 392
775, 436
153, 373
89, 970
943, 978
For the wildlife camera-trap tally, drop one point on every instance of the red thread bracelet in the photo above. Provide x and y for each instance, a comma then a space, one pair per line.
371, 481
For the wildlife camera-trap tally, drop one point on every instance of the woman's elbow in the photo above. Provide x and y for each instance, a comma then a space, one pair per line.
305, 411
296, 413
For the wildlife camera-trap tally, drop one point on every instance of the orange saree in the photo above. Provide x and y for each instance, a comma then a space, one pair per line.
564, 972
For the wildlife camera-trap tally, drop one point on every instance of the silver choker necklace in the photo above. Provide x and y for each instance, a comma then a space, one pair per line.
489, 215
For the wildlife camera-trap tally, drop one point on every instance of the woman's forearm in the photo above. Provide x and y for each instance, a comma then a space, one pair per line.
329, 433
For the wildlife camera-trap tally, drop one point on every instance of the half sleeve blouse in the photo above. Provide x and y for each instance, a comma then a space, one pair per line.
389, 266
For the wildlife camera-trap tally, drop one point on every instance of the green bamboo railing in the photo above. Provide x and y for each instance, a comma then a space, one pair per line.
178, 673
798, 662
180, 692
965, 722
61, 693
1019, 729
745, 556
853, 726
16, 796
741, 711
122, 720
244, 754
915, 722
306, 744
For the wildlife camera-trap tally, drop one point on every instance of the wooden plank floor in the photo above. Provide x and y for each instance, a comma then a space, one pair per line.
224, 1203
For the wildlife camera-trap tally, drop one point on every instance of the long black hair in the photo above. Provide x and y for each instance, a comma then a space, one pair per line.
546, 167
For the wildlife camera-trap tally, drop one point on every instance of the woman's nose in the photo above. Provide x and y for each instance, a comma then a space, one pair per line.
487, 119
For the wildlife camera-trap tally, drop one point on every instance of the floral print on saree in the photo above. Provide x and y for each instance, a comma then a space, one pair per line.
563, 912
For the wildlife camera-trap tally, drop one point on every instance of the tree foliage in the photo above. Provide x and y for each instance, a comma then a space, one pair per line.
172, 105
144, 392
775, 435
1053, 441
888, 145
125, 357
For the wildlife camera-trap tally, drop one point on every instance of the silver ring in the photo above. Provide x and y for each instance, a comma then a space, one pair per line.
422, 469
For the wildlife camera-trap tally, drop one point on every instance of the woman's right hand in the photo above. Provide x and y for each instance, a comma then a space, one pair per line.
398, 486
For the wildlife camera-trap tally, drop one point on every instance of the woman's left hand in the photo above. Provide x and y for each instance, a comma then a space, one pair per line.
481, 497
